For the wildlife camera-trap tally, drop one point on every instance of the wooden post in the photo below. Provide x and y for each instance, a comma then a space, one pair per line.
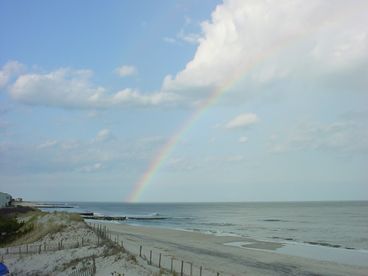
39, 249
20, 249
191, 269
181, 268
122, 244
140, 251
7, 250
150, 257
200, 271
94, 264
27, 248
172, 264
98, 240
159, 261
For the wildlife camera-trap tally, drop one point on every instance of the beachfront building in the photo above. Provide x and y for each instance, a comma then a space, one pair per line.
5, 200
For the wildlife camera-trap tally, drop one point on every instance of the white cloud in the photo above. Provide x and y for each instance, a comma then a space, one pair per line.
126, 70
192, 38
256, 42
242, 121
103, 135
70, 88
243, 139
9, 70
63, 87
91, 168
48, 144
270, 40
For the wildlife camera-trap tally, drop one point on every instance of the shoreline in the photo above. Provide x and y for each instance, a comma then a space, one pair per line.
211, 251
333, 253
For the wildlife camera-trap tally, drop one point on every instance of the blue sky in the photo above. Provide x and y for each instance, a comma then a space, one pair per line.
90, 92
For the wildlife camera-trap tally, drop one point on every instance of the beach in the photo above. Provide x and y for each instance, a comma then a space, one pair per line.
212, 253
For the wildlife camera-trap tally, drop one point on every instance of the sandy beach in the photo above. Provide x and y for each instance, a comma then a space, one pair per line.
211, 252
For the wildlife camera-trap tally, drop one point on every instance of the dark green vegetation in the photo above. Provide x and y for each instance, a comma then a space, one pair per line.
10, 227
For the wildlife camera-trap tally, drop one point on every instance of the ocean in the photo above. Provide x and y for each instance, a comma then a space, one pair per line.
329, 227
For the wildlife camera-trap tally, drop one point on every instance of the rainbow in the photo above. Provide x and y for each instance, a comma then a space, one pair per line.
167, 149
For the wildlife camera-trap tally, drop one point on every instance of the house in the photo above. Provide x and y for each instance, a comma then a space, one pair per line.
5, 199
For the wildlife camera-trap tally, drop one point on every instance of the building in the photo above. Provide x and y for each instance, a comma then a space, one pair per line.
5, 199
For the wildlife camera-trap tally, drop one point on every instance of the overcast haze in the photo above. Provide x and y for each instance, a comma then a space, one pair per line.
91, 91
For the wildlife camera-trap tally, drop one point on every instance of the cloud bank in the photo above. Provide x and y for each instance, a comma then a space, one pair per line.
262, 40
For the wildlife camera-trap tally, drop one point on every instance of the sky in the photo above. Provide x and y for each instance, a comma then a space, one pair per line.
168, 101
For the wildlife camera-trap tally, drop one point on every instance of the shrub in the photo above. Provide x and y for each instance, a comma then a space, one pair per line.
9, 229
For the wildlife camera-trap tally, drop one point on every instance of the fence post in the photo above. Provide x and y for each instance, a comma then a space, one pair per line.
150, 257
20, 250
200, 271
122, 244
172, 264
94, 264
140, 251
44, 246
98, 240
159, 261
7, 250
191, 269
27, 248
181, 268
39, 249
